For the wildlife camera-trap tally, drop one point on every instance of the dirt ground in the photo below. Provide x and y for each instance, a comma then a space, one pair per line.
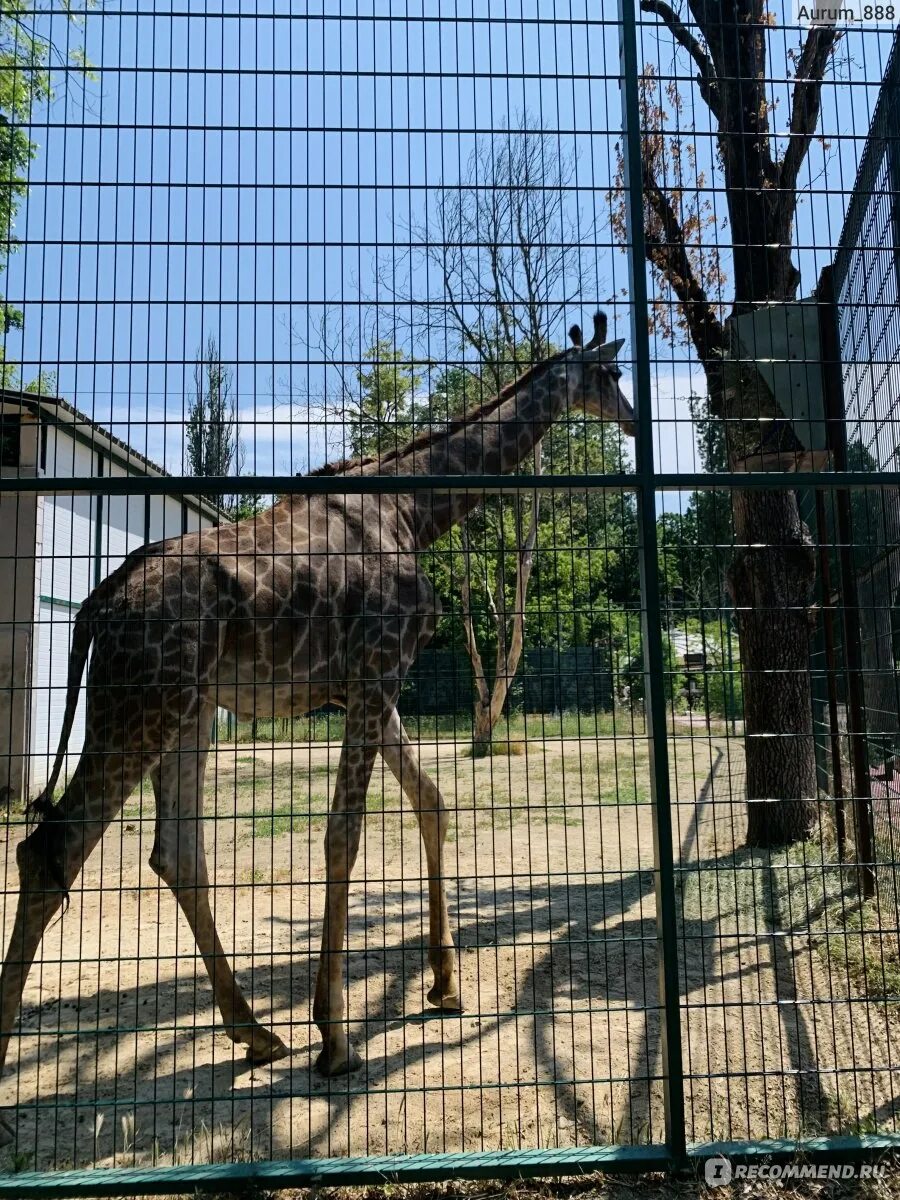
551, 885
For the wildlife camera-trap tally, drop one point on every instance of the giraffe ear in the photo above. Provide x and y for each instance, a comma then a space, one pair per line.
608, 351
599, 331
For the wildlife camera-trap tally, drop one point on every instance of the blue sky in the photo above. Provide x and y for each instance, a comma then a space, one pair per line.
236, 174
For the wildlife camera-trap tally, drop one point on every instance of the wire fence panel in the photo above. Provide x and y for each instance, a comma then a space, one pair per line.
448, 659
772, 354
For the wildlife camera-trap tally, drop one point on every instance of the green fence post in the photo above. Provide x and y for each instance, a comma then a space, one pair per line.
654, 663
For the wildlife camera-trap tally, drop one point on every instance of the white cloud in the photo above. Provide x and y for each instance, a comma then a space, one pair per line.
674, 442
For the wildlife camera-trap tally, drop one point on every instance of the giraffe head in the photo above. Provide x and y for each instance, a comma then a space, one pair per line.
593, 376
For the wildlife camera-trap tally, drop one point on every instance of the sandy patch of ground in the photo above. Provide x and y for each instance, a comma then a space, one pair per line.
551, 889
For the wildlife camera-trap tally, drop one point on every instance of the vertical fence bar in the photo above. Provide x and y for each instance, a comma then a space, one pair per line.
653, 657
837, 767
856, 701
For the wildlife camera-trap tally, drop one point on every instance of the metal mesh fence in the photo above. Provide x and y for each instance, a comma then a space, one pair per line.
441, 730
867, 576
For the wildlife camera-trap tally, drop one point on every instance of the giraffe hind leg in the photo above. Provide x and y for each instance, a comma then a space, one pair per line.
362, 736
179, 858
49, 860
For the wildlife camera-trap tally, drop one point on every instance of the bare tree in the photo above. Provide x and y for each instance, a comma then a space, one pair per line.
772, 573
503, 246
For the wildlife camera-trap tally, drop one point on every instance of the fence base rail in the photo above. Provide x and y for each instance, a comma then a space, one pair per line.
430, 1168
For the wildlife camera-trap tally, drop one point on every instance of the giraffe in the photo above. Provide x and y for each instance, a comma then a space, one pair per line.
318, 600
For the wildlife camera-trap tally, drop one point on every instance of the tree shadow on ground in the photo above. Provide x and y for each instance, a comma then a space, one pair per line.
590, 953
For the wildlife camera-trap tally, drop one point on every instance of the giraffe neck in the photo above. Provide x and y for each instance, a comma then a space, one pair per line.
494, 445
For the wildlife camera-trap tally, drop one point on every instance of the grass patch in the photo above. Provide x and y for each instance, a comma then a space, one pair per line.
296, 817
577, 776
858, 944
290, 819
497, 747
518, 727
802, 891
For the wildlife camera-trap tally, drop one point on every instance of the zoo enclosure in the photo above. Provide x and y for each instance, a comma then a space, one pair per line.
650, 929
863, 725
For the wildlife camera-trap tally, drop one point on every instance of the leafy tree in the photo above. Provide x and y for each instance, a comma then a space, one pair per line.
378, 415
212, 438
772, 570
502, 243
696, 545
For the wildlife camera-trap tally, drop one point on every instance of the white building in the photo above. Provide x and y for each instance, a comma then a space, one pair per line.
53, 550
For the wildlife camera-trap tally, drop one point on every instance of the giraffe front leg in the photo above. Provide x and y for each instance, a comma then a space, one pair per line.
341, 847
433, 820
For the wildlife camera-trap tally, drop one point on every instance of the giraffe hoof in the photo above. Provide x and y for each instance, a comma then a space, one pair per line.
344, 1066
265, 1048
451, 1003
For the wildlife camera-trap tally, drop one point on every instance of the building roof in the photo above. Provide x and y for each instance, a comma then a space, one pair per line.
84, 429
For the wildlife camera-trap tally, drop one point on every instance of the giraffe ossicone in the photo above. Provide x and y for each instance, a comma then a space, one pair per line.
277, 615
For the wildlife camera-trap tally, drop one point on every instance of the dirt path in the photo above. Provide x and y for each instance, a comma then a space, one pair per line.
552, 892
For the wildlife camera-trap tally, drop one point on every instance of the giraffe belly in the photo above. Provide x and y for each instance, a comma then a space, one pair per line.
249, 701
280, 667
256, 686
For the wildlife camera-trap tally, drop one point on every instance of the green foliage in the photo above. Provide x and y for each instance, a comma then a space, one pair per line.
585, 580
248, 504
24, 83
719, 688
633, 673
588, 571
696, 546
43, 384
212, 435
725, 689
382, 418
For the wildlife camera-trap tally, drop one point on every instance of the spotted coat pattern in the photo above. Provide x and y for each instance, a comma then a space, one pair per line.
319, 600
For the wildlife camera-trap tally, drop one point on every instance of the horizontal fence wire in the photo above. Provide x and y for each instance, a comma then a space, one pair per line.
475, 485
449, 636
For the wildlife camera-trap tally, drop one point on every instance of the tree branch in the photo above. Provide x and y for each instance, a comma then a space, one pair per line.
669, 255
805, 105
707, 80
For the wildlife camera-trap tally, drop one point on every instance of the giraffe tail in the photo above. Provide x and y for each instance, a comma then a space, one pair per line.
42, 806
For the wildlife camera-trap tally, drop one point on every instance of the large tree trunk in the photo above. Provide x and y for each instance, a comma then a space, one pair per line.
771, 580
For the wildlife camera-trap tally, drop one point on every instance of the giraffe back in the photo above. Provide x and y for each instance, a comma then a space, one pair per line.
275, 613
